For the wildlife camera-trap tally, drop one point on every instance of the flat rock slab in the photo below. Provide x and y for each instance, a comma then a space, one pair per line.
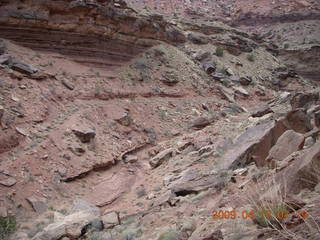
193, 181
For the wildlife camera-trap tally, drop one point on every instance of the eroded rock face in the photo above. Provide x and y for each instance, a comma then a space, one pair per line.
116, 24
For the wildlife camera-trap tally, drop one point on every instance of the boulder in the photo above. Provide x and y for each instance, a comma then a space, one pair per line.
241, 91
167, 197
218, 76
6, 180
226, 93
299, 121
67, 84
201, 56
38, 204
110, 220
82, 205
304, 100
130, 158
234, 79
169, 79
303, 172
209, 67
289, 142
161, 157
309, 141
200, 122
73, 225
198, 38
261, 111
245, 81
253, 145
85, 134
124, 120
23, 67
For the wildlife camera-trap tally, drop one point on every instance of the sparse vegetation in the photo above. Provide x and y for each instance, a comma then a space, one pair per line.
141, 192
7, 226
251, 57
51, 208
169, 235
270, 208
219, 52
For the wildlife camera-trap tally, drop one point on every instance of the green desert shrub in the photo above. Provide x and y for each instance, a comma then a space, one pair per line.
7, 226
169, 235
219, 51
251, 57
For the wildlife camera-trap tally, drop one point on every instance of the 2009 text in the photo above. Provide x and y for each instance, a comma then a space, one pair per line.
251, 214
